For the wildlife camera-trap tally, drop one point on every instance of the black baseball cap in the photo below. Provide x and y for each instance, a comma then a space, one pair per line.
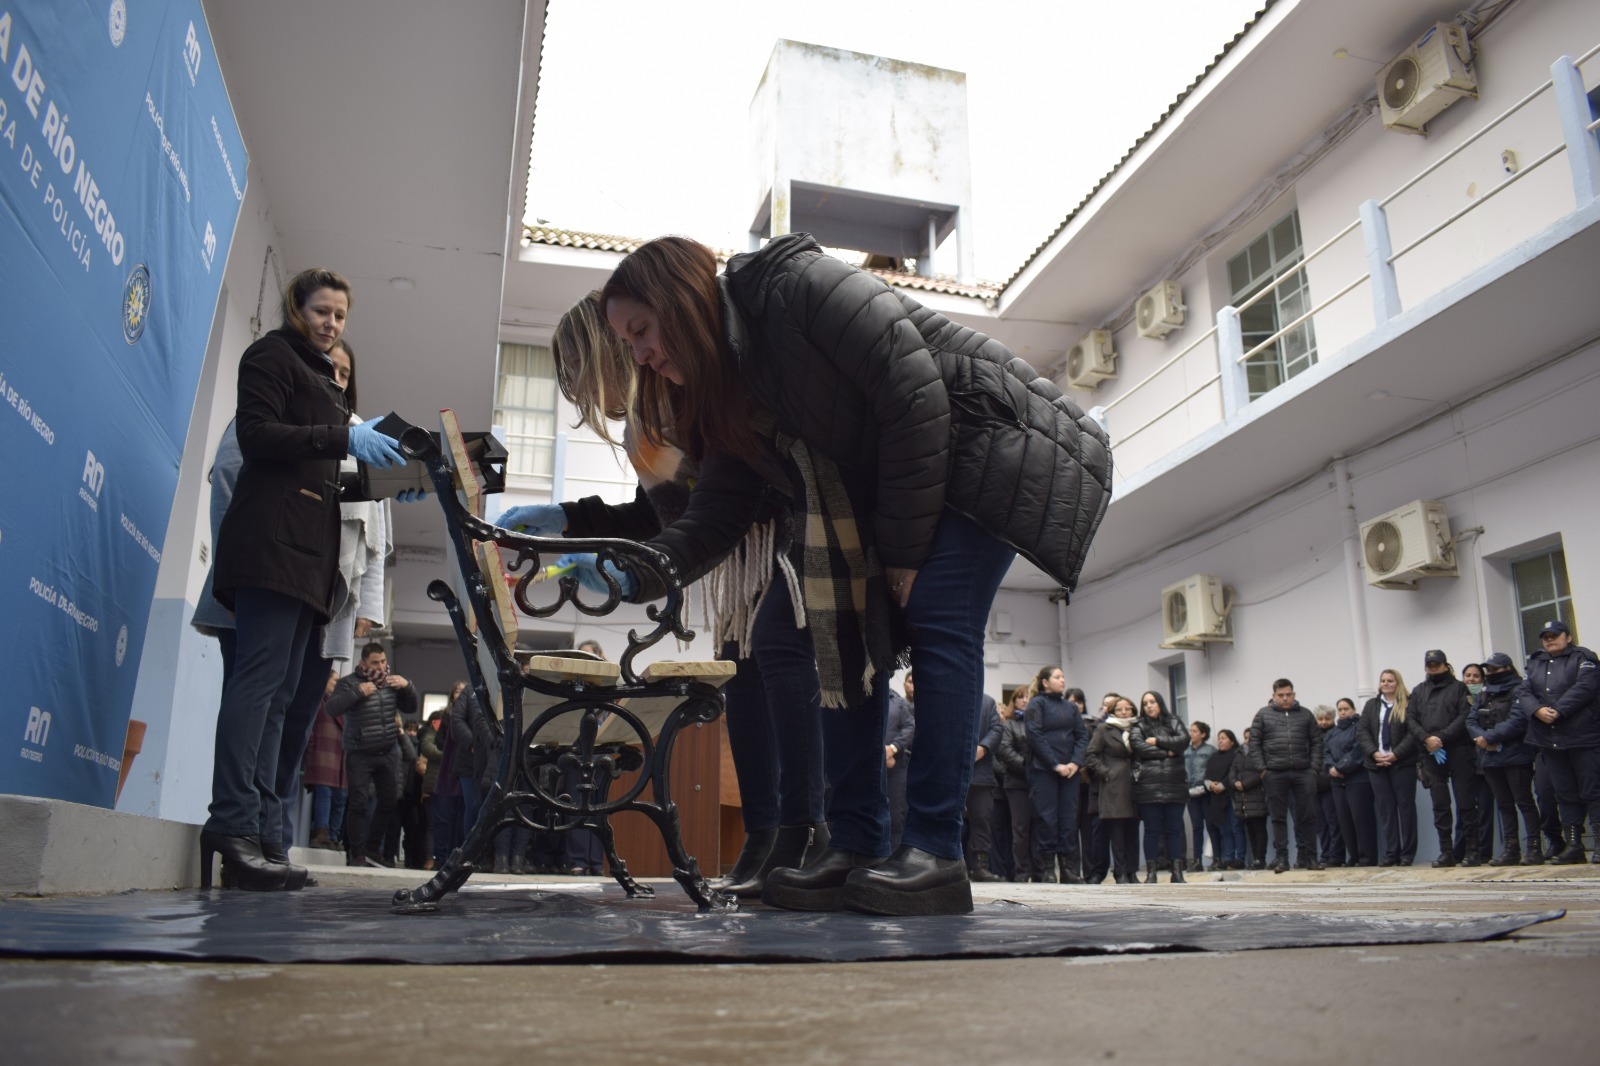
1499, 661
1435, 658
1555, 625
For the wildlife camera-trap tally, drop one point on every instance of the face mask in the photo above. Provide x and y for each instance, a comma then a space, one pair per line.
1474, 689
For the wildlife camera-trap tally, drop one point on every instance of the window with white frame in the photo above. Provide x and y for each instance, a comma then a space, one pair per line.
1266, 259
525, 408
1178, 690
1542, 594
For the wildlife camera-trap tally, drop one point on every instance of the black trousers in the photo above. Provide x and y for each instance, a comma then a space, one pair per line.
1458, 775
1255, 829
1095, 847
1394, 798
1513, 793
980, 809
1575, 780
1330, 837
1297, 788
1000, 860
1025, 860
1358, 825
373, 780
1545, 793
1122, 837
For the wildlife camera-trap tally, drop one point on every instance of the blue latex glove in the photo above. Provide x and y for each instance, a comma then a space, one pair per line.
412, 495
376, 449
1440, 757
535, 519
588, 575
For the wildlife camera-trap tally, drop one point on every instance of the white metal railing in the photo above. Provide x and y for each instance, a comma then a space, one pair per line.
1578, 129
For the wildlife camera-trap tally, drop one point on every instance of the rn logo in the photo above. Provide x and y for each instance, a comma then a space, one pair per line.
94, 479
38, 730
191, 53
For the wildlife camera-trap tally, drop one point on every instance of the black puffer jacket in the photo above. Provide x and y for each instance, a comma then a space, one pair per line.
1438, 708
281, 531
369, 720
1343, 750
1502, 721
1570, 684
1251, 800
1286, 740
1161, 776
1012, 754
939, 415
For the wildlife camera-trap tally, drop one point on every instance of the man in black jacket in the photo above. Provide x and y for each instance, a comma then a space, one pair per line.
1287, 744
370, 701
1436, 717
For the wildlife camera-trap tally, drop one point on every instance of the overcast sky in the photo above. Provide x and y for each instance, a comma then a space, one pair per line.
643, 108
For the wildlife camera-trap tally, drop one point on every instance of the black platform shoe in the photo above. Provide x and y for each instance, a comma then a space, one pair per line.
244, 866
819, 884
910, 882
299, 877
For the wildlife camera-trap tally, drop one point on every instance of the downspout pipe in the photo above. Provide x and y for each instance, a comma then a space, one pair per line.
1366, 681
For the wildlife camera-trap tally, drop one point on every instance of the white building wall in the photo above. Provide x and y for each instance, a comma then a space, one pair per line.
1371, 163
1518, 462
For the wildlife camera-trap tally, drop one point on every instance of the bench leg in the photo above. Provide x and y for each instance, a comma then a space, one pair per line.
619, 869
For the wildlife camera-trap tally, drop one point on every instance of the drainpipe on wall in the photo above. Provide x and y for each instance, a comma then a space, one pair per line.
1366, 685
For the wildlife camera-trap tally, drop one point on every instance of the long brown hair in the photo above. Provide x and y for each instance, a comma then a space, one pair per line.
677, 279
300, 289
593, 368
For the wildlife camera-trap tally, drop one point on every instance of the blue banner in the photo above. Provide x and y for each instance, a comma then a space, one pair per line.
122, 172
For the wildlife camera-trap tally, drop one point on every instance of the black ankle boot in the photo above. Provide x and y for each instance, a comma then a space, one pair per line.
1065, 873
1572, 836
788, 850
816, 886
910, 882
1177, 872
980, 868
757, 846
245, 866
1446, 858
297, 878
1149, 873
1534, 856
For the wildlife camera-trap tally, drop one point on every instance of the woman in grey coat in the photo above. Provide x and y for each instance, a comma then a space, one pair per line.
1110, 768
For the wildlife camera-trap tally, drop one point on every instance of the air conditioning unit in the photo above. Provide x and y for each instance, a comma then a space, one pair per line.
1408, 544
1194, 613
1091, 360
1160, 311
1426, 78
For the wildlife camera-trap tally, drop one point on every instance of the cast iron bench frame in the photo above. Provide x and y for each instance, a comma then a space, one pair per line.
608, 739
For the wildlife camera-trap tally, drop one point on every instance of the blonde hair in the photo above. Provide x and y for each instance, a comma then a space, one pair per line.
594, 370
1400, 696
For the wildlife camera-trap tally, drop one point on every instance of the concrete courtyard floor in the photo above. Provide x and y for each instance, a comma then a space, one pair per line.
1531, 998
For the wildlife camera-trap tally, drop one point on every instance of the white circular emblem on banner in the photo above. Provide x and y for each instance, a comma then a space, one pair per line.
119, 22
122, 644
135, 303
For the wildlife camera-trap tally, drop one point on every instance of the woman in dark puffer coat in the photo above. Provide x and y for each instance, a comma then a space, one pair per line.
1245, 784
1162, 787
917, 458
1110, 767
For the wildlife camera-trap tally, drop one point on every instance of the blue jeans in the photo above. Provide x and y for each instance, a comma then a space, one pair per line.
947, 615
270, 644
297, 723
327, 810
1234, 848
1162, 821
774, 715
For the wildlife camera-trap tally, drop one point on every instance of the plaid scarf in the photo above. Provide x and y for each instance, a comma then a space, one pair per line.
846, 596
378, 677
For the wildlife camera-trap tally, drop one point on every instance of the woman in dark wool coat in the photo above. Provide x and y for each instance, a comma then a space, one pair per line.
916, 458
277, 565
